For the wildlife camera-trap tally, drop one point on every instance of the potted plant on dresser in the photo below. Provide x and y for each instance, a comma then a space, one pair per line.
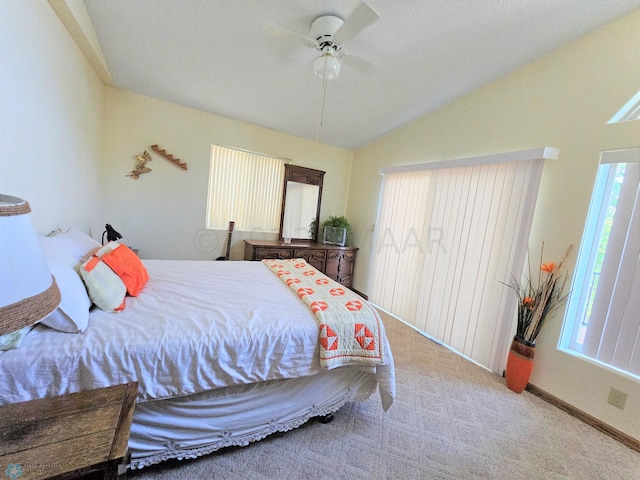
537, 300
336, 230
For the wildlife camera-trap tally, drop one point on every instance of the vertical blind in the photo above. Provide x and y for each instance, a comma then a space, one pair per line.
609, 314
246, 188
446, 239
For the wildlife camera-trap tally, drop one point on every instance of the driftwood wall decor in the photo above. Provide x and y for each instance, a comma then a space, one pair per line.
168, 156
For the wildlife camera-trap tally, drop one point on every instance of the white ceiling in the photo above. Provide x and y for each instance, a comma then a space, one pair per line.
226, 57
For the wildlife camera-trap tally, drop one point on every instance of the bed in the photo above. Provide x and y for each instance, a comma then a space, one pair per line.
225, 353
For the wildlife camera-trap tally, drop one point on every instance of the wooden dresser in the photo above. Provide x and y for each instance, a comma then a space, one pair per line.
334, 261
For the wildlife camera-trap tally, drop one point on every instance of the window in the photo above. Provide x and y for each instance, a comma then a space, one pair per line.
245, 188
631, 111
602, 320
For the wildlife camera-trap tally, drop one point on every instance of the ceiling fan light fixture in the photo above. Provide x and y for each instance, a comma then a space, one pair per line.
326, 66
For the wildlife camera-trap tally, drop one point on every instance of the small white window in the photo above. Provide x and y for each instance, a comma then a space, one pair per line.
245, 188
631, 111
602, 319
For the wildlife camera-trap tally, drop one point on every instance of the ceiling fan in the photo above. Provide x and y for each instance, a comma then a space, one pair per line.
328, 34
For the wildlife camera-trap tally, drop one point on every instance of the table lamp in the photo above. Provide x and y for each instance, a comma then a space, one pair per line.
28, 291
111, 234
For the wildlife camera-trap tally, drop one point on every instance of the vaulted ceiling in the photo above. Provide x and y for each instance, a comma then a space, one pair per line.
248, 60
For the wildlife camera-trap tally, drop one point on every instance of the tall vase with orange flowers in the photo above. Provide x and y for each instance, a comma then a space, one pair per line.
537, 301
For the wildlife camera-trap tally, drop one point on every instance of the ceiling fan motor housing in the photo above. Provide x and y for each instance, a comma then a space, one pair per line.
326, 25
327, 66
323, 29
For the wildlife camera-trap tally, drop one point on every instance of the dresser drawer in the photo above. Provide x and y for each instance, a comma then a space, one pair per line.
341, 255
264, 253
313, 257
310, 255
339, 266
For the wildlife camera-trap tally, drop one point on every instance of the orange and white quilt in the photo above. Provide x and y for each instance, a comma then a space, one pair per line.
351, 331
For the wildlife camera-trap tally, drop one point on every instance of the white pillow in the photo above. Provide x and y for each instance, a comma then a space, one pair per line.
78, 244
105, 288
54, 250
72, 315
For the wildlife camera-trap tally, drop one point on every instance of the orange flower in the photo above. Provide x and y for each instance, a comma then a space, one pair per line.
527, 301
548, 267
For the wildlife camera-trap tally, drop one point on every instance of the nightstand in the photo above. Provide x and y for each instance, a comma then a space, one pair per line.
79, 435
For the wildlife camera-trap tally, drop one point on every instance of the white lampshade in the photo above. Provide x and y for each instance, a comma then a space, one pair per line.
326, 66
28, 291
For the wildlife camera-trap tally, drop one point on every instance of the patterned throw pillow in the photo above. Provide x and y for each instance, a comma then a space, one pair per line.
105, 288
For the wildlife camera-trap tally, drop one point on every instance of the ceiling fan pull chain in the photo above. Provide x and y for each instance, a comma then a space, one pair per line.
321, 119
324, 91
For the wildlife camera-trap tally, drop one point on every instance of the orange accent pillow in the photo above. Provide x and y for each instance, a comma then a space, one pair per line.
128, 267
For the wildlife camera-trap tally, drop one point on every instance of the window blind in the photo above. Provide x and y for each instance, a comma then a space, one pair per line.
602, 319
446, 239
246, 188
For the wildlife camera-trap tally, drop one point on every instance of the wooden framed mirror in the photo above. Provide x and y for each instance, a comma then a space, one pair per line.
301, 199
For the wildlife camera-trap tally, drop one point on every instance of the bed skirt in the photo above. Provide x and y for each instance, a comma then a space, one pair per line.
195, 425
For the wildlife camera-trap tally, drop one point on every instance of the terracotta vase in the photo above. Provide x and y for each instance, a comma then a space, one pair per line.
520, 364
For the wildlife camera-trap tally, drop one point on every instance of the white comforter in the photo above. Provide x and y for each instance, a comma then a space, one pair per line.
196, 326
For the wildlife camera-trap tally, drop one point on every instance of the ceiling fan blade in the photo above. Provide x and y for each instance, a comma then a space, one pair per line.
357, 63
363, 16
286, 34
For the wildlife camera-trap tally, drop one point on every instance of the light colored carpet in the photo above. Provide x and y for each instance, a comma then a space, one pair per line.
451, 420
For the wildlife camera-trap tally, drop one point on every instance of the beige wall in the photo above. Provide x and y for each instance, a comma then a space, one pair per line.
564, 100
51, 114
163, 212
